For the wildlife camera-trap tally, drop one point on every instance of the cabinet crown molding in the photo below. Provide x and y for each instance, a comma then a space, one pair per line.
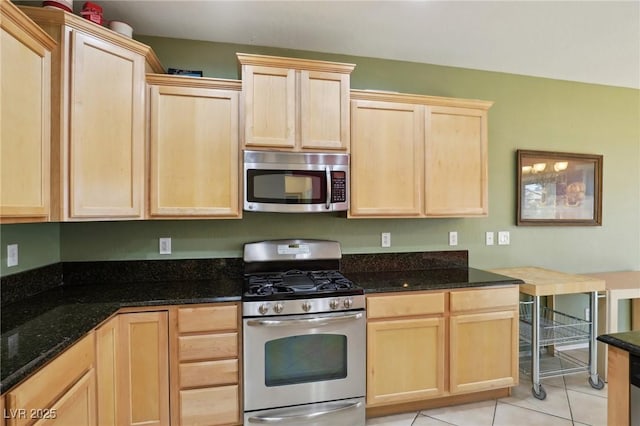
198, 82
407, 98
295, 63
60, 17
12, 15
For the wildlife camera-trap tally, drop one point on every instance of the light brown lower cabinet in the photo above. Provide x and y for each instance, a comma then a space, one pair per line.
482, 357
62, 393
133, 369
76, 407
205, 357
483, 339
438, 344
413, 352
176, 365
405, 347
619, 401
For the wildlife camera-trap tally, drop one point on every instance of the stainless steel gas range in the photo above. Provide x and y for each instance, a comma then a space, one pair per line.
304, 336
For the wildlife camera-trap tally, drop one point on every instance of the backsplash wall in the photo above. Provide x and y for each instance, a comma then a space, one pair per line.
529, 113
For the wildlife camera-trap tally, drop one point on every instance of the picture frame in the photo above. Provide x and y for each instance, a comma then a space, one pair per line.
559, 189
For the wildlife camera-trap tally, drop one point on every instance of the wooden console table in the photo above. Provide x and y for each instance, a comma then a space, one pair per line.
618, 286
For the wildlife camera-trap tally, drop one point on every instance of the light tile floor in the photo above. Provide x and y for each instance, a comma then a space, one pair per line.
570, 401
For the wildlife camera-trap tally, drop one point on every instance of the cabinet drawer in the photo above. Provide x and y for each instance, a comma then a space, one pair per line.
484, 298
209, 373
44, 387
405, 305
208, 346
207, 318
210, 406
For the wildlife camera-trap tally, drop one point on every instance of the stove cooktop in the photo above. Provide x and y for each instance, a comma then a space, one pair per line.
295, 284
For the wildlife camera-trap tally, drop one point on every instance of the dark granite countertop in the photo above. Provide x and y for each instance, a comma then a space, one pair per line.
36, 329
63, 302
628, 341
428, 279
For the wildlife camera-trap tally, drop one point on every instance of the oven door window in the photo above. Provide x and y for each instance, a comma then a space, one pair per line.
286, 186
305, 359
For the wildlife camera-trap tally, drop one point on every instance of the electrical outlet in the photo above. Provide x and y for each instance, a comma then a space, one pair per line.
453, 238
489, 238
385, 239
165, 245
12, 255
504, 238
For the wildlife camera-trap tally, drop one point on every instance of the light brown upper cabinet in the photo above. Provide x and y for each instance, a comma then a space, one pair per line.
295, 104
193, 147
25, 116
418, 156
97, 113
455, 172
386, 159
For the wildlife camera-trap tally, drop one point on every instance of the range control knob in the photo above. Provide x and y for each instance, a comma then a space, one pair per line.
334, 304
306, 306
263, 309
348, 302
278, 307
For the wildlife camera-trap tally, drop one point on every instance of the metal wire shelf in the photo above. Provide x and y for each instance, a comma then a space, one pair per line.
555, 327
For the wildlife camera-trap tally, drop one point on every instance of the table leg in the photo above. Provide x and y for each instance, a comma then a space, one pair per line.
635, 314
594, 380
535, 348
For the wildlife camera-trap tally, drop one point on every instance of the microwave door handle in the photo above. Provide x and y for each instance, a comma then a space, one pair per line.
328, 176
303, 418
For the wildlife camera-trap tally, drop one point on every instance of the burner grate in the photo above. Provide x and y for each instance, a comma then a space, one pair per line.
297, 282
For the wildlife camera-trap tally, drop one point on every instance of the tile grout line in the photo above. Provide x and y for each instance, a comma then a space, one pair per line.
431, 417
495, 409
566, 394
537, 411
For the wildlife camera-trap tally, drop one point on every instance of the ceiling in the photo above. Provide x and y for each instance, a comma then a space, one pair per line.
586, 41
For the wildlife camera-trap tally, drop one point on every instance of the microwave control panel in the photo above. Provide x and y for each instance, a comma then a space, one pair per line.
338, 187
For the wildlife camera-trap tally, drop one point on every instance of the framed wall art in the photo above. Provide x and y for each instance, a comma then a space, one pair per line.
559, 189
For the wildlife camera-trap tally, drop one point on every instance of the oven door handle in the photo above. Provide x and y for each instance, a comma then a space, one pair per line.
318, 321
299, 418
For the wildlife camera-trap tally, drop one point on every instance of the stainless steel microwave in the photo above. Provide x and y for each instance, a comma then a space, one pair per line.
295, 182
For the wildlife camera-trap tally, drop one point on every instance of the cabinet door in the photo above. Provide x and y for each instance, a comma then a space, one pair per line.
405, 360
483, 351
194, 152
25, 131
324, 110
270, 106
143, 358
107, 371
386, 159
48, 385
106, 130
456, 177
76, 407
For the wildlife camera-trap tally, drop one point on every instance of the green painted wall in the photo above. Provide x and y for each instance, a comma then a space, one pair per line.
529, 113
38, 245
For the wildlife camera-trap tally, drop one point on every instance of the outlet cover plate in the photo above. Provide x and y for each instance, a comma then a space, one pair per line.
165, 245
385, 239
504, 239
12, 255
